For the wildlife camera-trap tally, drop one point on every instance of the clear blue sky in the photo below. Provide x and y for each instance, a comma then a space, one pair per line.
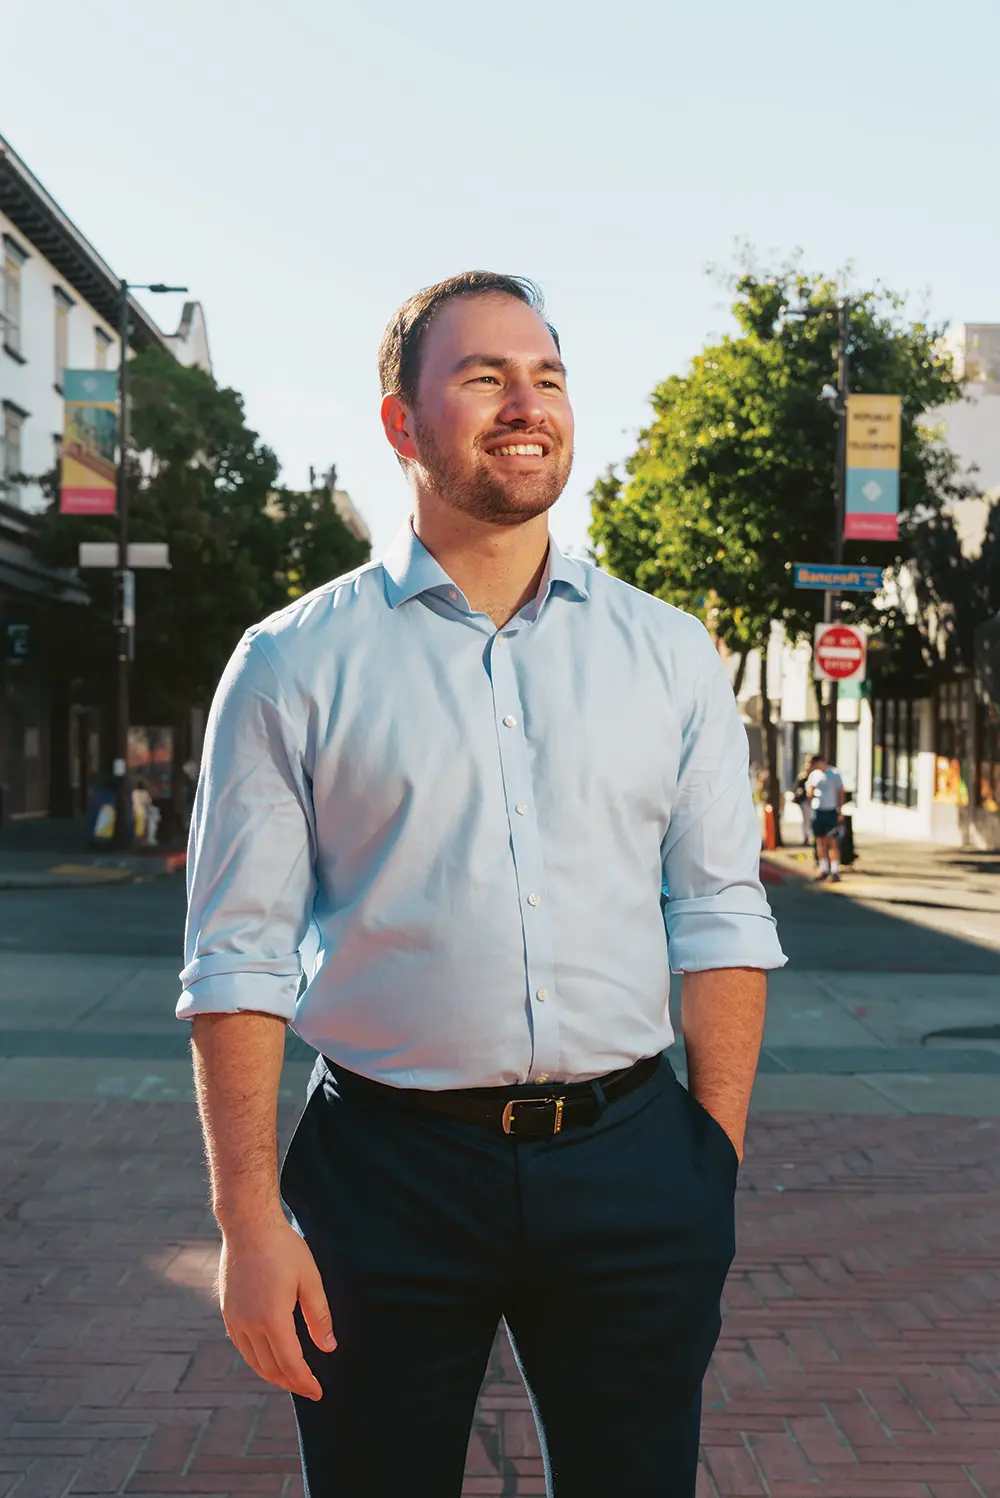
303, 166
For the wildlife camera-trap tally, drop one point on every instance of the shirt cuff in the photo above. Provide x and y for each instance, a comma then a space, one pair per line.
699, 941
236, 993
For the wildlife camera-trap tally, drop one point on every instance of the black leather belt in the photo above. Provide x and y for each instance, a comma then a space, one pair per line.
517, 1111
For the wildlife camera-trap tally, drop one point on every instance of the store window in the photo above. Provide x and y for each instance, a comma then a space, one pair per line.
895, 747
951, 729
989, 757
102, 343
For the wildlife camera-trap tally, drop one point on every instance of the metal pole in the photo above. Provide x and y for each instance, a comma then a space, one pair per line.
123, 631
832, 600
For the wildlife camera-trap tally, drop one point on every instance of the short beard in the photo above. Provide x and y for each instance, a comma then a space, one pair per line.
484, 495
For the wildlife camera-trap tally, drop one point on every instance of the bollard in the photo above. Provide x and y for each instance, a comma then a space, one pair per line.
770, 836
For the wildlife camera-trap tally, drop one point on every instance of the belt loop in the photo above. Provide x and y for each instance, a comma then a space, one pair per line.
599, 1097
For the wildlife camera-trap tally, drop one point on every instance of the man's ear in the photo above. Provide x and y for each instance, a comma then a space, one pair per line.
397, 422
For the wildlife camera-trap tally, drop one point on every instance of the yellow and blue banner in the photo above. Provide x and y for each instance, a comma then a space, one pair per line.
89, 476
871, 512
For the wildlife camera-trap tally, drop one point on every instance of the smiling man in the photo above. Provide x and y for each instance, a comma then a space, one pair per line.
493, 785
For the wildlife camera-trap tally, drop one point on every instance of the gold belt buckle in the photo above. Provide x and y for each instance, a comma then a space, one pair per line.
508, 1116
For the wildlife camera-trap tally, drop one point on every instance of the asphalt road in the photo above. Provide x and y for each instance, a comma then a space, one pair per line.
133, 920
819, 931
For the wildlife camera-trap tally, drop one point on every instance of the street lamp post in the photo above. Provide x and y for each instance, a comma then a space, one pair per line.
831, 600
124, 577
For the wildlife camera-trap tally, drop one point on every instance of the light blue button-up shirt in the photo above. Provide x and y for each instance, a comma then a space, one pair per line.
454, 856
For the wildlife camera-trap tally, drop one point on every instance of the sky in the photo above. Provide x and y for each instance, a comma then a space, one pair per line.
303, 167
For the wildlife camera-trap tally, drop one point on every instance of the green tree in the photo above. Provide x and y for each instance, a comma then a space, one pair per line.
733, 480
204, 482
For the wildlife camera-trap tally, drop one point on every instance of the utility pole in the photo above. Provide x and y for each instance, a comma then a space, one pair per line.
831, 600
125, 577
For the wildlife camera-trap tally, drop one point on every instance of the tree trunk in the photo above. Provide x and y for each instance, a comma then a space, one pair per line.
741, 671
770, 738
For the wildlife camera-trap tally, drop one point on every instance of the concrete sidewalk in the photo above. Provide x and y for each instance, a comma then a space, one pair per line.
50, 853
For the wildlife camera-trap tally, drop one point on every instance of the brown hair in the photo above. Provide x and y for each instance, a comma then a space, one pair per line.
399, 351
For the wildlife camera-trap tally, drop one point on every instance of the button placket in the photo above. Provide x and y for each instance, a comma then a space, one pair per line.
529, 867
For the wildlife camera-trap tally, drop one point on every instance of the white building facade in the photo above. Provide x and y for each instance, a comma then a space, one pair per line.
59, 309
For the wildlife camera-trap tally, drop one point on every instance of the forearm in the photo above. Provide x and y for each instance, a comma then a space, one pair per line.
722, 1016
237, 1068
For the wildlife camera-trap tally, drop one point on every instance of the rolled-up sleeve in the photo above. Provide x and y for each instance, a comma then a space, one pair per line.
251, 881
716, 912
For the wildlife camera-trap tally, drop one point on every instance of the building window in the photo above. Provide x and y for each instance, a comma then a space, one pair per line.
895, 743
951, 743
10, 466
102, 343
13, 259
63, 304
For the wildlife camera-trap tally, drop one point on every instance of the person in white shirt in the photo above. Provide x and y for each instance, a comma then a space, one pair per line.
826, 795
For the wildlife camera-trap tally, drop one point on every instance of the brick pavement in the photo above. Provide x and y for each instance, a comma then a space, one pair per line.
860, 1356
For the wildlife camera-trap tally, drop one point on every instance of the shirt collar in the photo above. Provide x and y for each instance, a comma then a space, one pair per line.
410, 570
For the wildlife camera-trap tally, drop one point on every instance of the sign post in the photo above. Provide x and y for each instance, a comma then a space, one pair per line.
871, 511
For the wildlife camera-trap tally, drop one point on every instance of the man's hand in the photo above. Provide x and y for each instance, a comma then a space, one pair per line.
263, 1273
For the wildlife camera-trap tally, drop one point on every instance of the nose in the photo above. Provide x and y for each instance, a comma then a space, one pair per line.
522, 405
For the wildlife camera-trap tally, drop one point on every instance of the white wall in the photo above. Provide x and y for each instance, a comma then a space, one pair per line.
32, 385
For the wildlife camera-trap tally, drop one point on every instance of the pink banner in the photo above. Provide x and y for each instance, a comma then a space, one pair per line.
871, 528
87, 502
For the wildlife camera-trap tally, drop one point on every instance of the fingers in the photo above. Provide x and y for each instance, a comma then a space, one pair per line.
296, 1375
316, 1310
278, 1361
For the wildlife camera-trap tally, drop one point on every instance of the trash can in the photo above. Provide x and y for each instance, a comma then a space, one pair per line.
847, 854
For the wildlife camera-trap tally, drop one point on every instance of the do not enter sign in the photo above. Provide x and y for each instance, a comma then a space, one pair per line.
839, 653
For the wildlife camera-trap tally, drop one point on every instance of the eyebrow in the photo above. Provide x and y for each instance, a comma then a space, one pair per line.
494, 361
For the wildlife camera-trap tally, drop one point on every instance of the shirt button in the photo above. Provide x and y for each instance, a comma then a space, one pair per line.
509, 721
542, 995
521, 808
534, 899
452, 593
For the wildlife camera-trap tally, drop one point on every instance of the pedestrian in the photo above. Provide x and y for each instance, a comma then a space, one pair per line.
804, 801
826, 795
468, 771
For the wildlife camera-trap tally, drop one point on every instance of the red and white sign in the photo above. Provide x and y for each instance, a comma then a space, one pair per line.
840, 653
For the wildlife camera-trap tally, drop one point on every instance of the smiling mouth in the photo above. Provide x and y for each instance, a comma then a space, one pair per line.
519, 450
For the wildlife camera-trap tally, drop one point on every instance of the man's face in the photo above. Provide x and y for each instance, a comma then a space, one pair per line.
491, 426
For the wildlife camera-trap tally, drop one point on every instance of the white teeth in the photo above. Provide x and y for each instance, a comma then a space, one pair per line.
522, 450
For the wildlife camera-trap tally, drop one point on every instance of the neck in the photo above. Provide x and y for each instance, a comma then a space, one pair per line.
497, 567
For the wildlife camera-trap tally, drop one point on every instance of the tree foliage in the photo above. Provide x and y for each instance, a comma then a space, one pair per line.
204, 482
733, 480
955, 592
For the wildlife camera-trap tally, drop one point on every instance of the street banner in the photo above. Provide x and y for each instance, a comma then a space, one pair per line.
836, 577
840, 652
88, 484
871, 512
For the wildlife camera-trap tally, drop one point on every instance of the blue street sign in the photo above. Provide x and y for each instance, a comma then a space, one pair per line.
834, 577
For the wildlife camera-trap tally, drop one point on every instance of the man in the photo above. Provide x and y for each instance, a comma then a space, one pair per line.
479, 775
826, 795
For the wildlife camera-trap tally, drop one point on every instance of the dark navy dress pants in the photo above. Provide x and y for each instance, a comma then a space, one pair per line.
603, 1248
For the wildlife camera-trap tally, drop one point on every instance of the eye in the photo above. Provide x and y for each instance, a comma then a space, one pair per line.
551, 384
484, 380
